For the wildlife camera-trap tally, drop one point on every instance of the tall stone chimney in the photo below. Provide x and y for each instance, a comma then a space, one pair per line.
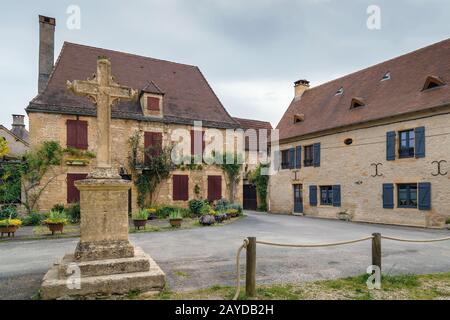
46, 50
18, 125
300, 87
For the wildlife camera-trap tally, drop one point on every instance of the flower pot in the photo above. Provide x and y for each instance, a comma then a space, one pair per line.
55, 227
138, 224
176, 223
220, 218
207, 220
9, 230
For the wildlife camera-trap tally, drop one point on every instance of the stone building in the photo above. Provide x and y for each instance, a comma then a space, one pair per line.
371, 146
171, 96
16, 137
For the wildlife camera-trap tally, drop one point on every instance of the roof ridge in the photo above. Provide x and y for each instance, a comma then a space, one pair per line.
381, 63
263, 121
128, 54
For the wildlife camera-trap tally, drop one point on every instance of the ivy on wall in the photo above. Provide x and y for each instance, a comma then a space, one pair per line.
261, 181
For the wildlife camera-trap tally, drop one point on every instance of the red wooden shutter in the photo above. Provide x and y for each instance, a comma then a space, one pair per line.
214, 188
180, 187
153, 140
196, 137
148, 141
82, 135
73, 194
153, 104
71, 133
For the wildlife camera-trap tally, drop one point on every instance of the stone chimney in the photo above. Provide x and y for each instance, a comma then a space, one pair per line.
300, 87
46, 50
18, 125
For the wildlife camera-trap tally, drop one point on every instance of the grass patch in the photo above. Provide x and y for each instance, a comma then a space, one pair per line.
70, 229
394, 287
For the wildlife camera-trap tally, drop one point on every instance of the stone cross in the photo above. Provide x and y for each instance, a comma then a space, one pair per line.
103, 92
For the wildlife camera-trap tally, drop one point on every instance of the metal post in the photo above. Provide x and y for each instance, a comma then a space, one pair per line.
376, 250
250, 280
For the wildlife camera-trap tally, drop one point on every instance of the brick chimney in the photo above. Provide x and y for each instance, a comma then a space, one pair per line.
300, 87
46, 50
18, 125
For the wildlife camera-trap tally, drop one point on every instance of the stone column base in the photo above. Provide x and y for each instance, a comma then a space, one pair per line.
100, 250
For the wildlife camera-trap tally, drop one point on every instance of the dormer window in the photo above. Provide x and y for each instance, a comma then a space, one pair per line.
386, 77
433, 82
151, 99
299, 118
340, 91
357, 103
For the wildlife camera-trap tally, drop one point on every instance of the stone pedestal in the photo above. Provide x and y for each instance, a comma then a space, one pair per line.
104, 262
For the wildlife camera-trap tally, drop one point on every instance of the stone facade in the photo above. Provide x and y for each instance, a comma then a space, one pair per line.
45, 126
350, 166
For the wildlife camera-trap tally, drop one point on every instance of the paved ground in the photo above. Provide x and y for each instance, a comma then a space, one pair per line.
206, 256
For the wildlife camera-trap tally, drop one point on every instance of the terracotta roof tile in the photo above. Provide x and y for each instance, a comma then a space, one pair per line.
402, 94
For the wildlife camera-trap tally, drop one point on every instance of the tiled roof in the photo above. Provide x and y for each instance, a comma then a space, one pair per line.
402, 94
187, 94
253, 124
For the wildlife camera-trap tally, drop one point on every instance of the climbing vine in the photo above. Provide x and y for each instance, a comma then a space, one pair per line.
150, 173
232, 166
262, 181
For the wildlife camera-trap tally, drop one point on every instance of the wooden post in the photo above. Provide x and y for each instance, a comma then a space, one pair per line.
376, 250
250, 280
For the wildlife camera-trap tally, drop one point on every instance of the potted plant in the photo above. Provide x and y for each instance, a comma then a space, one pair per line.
140, 219
175, 218
9, 226
151, 213
56, 221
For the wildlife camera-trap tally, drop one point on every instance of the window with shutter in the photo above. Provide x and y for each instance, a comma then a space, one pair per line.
291, 158
298, 157
317, 155
420, 142
73, 194
180, 187
285, 159
425, 196
390, 146
388, 196
153, 103
214, 188
77, 134
197, 143
326, 195
337, 196
152, 145
313, 196
309, 156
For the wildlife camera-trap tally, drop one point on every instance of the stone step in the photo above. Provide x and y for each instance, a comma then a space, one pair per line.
69, 266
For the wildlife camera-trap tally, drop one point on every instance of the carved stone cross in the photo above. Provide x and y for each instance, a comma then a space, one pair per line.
103, 92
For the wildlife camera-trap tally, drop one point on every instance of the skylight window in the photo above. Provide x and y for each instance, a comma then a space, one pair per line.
340, 91
433, 82
357, 103
387, 76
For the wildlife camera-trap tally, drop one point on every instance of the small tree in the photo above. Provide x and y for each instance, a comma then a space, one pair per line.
4, 149
261, 181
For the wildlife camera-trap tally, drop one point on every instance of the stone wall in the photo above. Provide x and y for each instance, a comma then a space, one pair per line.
350, 167
44, 127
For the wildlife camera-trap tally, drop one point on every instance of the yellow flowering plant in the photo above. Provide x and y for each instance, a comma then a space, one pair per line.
10, 222
56, 217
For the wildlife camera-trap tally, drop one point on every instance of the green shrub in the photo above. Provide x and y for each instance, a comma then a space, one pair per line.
448, 220
235, 206
196, 206
141, 215
33, 219
222, 205
74, 213
8, 212
206, 209
58, 207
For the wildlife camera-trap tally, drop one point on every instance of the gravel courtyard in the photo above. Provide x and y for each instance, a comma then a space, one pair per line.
205, 257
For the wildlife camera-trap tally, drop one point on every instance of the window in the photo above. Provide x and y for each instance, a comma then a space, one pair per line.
406, 144
387, 76
77, 134
309, 156
180, 188
357, 103
340, 92
152, 145
285, 159
197, 143
153, 103
326, 195
214, 188
407, 195
299, 118
433, 82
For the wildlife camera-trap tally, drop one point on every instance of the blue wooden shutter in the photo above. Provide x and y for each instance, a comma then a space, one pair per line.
298, 157
292, 158
390, 146
388, 196
317, 155
276, 160
313, 195
420, 142
337, 196
424, 196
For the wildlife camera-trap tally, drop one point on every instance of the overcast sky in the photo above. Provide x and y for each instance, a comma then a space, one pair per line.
250, 51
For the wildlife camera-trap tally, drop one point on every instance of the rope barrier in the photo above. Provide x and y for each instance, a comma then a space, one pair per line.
415, 240
330, 244
238, 268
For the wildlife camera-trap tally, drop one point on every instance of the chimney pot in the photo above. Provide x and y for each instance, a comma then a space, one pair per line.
18, 125
46, 50
300, 87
